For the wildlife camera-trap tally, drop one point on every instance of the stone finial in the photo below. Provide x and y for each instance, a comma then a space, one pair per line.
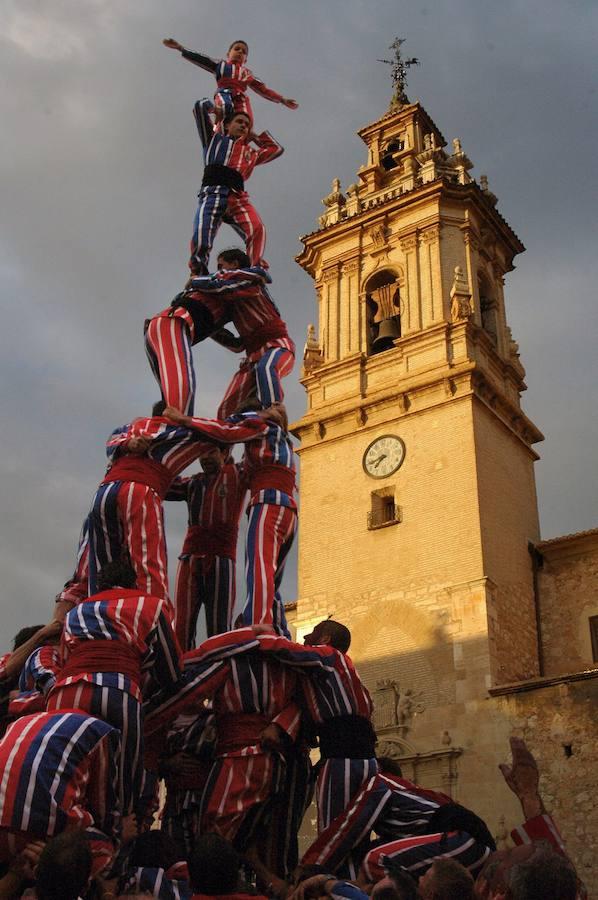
334, 203
486, 190
353, 201
461, 305
457, 146
312, 352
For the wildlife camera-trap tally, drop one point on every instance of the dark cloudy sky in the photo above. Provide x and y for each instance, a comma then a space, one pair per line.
100, 165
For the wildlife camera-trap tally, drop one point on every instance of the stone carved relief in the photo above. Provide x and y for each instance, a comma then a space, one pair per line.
393, 708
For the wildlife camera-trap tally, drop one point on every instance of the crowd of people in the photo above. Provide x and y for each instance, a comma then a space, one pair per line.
114, 696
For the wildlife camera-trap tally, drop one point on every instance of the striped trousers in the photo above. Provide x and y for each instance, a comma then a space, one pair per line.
126, 518
168, 348
217, 204
208, 582
416, 854
270, 534
120, 709
263, 375
237, 793
339, 783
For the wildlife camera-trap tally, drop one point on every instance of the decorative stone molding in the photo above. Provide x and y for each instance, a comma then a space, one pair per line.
330, 274
320, 430
408, 242
430, 235
350, 266
361, 417
404, 402
470, 238
378, 235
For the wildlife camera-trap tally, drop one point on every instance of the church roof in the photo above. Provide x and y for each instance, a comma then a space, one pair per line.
551, 542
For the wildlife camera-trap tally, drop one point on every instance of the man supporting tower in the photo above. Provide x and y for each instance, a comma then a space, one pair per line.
60, 771
272, 510
193, 316
255, 716
263, 334
126, 516
206, 571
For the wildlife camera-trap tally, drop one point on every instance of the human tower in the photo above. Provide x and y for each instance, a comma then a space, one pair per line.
115, 695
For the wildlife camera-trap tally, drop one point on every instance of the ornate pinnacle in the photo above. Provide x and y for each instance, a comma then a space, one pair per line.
398, 73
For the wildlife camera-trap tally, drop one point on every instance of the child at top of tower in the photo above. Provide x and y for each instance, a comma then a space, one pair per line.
233, 78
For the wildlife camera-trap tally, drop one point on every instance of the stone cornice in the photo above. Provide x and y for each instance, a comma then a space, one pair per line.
535, 684
440, 189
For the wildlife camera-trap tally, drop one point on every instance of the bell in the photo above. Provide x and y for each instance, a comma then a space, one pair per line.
388, 332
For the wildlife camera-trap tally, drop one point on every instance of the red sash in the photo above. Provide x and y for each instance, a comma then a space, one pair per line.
219, 540
270, 332
141, 470
275, 477
91, 656
239, 730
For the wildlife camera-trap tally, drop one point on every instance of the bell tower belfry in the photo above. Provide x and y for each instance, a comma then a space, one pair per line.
418, 497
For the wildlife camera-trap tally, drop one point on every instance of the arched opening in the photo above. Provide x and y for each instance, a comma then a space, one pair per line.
387, 157
488, 310
383, 311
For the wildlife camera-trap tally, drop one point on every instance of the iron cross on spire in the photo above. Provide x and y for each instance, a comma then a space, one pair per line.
399, 71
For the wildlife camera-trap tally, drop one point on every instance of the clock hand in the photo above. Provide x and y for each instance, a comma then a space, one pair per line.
379, 460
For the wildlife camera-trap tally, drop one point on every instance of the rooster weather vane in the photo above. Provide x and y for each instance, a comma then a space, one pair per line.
399, 71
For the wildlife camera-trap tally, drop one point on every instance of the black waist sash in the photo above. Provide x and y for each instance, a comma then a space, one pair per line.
203, 320
215, 175
348, 737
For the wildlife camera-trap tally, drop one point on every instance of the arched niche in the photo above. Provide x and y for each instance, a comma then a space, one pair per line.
488, 307
383, 310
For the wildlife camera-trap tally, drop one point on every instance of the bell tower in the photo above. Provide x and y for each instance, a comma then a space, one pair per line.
418, 498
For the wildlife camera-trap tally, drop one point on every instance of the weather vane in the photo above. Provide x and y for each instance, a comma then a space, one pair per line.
399, 71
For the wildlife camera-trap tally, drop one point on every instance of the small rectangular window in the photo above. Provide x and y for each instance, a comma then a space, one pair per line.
383, 511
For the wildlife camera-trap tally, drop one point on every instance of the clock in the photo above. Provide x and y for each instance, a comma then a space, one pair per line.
384, 456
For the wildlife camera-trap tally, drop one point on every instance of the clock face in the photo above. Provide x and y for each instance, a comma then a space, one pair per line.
384, 456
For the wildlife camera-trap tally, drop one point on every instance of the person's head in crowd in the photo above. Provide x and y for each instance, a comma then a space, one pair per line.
389, 765
214, 866
25, 634
529, 872
446, 879
329, 632
233, 258
118, 573
400, 882
154, 850
213, 457
64, 867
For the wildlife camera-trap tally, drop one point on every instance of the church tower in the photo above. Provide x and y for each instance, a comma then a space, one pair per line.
418, 500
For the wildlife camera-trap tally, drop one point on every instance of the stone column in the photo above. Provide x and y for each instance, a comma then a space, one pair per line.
330, 309
431, 280
350, 307
412, 286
